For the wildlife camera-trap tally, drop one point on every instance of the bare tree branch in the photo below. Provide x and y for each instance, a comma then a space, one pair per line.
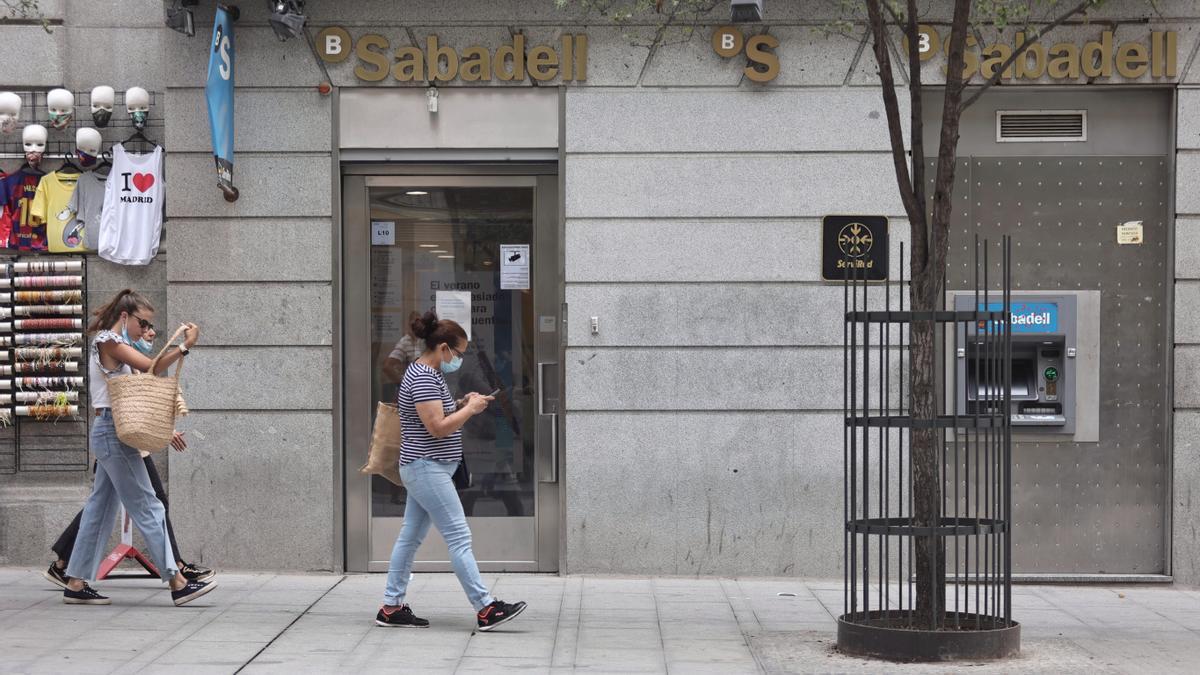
1019, 52
948, 148
916, 110
891, 106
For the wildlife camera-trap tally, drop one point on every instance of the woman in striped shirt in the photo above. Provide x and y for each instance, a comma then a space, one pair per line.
431, 451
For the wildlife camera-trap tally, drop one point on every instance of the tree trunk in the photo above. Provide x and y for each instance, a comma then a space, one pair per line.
926, 475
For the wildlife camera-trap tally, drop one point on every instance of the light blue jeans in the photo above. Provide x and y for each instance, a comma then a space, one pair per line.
432, 499
121, 478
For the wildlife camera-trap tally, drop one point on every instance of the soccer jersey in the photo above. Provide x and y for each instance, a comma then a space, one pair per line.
19, 189
51, 210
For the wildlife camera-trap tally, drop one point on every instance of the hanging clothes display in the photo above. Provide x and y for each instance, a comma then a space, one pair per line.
51, 211
132, 216
17, 230
87, 204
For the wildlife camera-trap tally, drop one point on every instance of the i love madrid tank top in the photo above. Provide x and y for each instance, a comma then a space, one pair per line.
132, 217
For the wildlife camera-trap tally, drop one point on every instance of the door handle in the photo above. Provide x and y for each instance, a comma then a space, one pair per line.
547, 429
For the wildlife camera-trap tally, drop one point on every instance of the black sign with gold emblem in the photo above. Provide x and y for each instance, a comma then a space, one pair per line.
854, 247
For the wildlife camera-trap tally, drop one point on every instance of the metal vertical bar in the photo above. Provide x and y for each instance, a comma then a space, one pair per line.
987, 434
906, 410
866, 442
845, 442
886, 432
900, 448
942, 472
971, 447
1008, 435
958, 503
853, 385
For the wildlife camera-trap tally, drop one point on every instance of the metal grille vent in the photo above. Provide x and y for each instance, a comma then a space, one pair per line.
1040, 126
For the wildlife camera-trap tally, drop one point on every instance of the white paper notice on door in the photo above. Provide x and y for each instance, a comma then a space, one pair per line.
455, 306
514, 267
383, 233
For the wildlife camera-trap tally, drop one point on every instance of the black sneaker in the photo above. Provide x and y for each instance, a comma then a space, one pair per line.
191, 591
402, 617
56, 576
194, 572
498, 613
86, 596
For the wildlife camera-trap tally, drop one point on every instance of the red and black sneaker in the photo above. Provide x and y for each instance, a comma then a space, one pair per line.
498, 613
401, 616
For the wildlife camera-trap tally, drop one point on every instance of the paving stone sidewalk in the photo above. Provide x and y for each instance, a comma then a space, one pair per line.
324, 624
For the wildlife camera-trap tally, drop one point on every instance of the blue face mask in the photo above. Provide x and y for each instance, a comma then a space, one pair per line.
453, 365
142, 345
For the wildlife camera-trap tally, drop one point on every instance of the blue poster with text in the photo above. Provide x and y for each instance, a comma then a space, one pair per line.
218, 92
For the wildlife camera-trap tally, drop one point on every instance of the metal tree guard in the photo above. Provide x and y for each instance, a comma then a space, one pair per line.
973, 530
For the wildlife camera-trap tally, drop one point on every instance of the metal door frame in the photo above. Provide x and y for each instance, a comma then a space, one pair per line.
356, 405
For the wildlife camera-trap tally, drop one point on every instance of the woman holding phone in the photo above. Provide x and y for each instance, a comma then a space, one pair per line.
430, 453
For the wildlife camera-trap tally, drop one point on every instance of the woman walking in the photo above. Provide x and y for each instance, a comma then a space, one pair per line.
431, 451
121, 476
57, 572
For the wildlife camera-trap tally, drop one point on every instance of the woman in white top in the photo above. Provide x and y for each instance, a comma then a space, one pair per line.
121, 476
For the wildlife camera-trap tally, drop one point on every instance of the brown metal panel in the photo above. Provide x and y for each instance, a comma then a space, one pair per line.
1084, 507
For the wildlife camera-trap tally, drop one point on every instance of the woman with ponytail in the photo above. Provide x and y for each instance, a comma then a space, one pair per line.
430, 453
121, 476
56, 573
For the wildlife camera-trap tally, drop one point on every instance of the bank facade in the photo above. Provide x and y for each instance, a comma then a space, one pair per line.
634, 231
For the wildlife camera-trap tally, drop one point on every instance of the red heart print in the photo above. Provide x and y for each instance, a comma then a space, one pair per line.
143, 181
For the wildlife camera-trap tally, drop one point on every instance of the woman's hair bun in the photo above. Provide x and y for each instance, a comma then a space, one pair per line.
425, 326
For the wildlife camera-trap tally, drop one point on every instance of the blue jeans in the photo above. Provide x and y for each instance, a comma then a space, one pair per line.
121, 478
433, 500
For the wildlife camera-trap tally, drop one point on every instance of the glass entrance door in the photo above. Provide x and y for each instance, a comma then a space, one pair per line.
481, 250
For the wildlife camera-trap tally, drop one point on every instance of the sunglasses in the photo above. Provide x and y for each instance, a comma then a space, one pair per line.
145, 325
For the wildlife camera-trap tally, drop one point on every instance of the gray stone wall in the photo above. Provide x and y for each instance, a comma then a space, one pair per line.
257, 489
1186, 487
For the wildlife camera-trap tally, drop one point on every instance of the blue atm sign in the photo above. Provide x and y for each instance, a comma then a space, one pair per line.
1029, 317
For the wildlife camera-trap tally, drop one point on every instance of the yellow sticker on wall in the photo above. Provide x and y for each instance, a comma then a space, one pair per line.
1130, 233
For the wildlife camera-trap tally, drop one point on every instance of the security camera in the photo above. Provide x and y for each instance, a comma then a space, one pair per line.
287, 18
179, 16
745, 11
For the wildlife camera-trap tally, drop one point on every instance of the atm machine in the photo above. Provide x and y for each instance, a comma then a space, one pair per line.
1043, 363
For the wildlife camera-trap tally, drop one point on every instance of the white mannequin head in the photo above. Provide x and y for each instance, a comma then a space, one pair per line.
60, 105
33, 137
10, 111
103, 98
87, 144
137, 102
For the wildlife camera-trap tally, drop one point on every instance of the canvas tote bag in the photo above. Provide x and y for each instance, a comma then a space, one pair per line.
383, 456
144, 405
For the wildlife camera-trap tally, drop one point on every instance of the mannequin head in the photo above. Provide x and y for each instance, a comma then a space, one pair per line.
33, 137
137, 102
60, 105
103, 98
10, 111
87, 145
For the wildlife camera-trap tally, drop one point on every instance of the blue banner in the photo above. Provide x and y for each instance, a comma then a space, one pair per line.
1029, 317
218, 92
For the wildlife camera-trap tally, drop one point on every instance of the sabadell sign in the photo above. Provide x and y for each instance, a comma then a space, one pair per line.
433, 61
1062, 60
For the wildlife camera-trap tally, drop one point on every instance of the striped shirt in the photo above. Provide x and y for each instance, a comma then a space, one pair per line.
422, 383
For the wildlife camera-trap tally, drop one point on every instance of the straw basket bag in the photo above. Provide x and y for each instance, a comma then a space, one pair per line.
383, 456
144, 405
